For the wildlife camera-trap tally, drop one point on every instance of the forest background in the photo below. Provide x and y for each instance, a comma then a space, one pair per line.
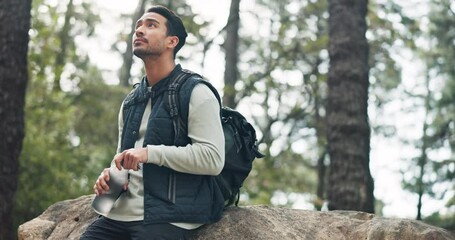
270, 60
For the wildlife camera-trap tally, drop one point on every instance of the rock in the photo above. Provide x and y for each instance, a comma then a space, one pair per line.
63, 220
68, 219
262, 222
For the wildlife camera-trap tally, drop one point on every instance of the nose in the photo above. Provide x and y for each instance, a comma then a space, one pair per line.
138, 32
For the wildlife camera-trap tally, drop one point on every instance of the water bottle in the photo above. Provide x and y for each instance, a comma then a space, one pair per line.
103, 203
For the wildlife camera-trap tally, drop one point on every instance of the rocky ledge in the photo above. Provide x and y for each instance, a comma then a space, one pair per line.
68, 219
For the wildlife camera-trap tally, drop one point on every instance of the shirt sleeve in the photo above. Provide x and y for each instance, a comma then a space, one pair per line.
205, 156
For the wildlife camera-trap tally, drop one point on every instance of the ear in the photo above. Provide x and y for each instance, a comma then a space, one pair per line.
173, 41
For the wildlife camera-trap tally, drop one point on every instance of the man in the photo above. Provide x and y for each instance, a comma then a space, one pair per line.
171, 188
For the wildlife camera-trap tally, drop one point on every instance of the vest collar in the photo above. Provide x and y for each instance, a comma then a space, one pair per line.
142, 94
162, 85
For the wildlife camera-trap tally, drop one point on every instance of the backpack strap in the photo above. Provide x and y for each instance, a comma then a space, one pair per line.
172, 100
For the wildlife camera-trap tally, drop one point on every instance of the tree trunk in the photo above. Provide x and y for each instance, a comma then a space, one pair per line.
14, 27
231, 49
125, 70
64, 37
423, 159
350, 183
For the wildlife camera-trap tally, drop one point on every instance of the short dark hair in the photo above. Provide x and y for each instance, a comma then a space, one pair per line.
174, 25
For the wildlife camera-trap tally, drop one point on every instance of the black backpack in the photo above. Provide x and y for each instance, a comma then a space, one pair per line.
240, 139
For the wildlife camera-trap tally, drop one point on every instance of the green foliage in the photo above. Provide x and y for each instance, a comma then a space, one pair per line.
442, 59
436, 162
284, 72
283, 69
48, 167
390, 32
71, 129
96, 123
71, 120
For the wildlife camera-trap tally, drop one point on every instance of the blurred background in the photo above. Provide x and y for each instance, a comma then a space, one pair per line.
270, 60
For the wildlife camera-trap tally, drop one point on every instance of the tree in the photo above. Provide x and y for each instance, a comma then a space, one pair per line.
430, 174
69, 135
285, 63
350, 181
65, 40
14, 27
423, 158
442, 16
124, 73
271, 75
231, 51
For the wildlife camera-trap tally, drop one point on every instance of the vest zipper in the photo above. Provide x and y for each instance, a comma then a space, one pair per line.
172, 187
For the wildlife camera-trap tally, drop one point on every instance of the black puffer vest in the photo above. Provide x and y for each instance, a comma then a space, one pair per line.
169, 196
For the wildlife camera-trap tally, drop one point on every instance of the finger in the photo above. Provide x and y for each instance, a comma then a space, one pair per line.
102, 181
118, 160
129, 160
98, 189
133, 162
106, 174
95, 190
125, 161
125, 186
104, 185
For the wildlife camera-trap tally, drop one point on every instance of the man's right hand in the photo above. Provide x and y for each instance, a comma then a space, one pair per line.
101, 186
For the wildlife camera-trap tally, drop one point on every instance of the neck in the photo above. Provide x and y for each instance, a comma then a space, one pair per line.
157, 69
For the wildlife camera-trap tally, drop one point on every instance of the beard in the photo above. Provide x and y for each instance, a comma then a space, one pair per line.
142, 53
148, 51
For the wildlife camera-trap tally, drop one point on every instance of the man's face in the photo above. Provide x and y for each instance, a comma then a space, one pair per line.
150, 37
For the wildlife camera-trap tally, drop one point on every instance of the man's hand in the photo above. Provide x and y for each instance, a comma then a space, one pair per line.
101, 186
131, 158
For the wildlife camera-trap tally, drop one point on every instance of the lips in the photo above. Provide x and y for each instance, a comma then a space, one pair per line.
139, 40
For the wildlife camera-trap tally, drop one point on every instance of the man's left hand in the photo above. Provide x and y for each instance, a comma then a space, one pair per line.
131, 158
